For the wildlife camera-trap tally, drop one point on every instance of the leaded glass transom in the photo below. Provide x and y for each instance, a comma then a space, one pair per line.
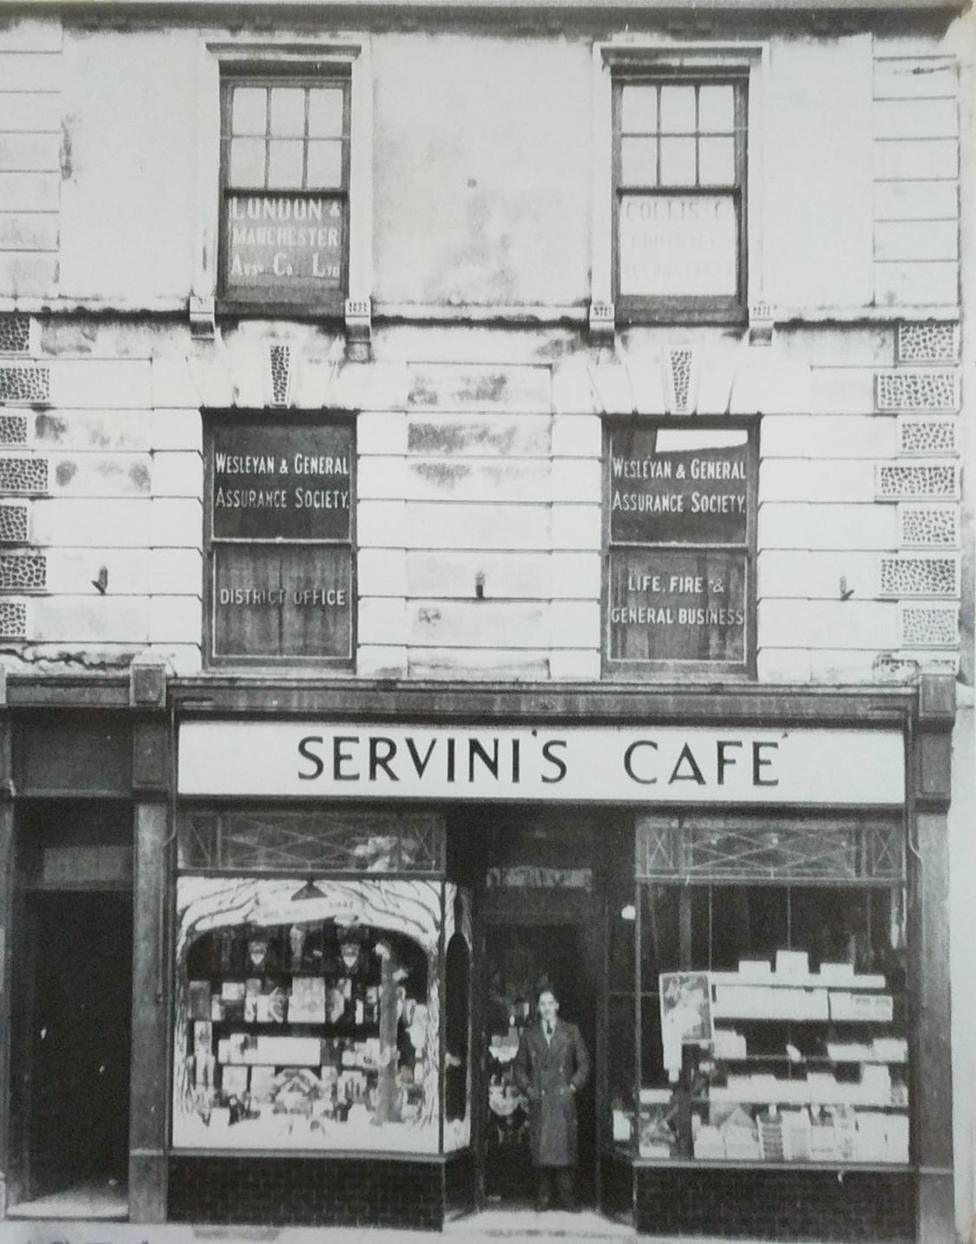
290, 840
769, 849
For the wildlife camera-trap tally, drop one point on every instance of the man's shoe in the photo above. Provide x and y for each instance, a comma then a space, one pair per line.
541, 1205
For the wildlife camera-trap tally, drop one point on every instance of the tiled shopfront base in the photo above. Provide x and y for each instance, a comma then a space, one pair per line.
310, 1191
776, 1204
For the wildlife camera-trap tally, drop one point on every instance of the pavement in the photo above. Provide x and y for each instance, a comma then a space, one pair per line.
489, 1227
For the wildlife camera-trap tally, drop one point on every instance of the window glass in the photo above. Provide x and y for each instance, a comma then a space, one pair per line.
279, 515
679, 245
639, 109
681, 528
677, 109
306, 1015
250, 110
773, 1024
716, 109
285, 191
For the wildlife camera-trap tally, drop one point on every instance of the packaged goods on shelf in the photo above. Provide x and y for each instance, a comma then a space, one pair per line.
849, 1051
623, 1126
822, 1086
837, 973
877, 1007
755, 969
896, 1138
233, 1080
285, 1051
796, 1135
845, 1130
728, 1043
871, 1136
792, 963
708, 1142
823, 1141
889, 1049
876, 1083
769, 1002
770, 1136
740, 1137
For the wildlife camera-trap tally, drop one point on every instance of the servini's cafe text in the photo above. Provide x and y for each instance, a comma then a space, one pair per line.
668, 764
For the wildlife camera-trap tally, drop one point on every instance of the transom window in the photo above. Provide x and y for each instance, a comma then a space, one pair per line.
679, 171
285, 163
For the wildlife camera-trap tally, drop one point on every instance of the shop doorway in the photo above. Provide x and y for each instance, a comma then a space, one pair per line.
520, 958
72, 1054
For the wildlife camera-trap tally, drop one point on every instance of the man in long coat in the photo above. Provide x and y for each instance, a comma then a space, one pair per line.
551, 1067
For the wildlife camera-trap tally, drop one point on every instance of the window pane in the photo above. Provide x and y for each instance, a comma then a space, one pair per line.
638, 109
675, 244
247, 162
287, 111
677, 109
638, 161
324, 113
716, 162
285, 165
324, 164
249, 115
677, 161
716, 109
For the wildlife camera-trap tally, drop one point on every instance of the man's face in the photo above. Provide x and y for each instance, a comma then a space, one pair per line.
548, 1007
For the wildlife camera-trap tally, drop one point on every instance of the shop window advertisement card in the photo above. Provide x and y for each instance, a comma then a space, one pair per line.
307, 1002
686, 1014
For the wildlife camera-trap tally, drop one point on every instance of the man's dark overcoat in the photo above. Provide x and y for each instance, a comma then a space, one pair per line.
548, 1073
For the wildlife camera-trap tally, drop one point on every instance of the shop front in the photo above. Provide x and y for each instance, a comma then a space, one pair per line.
365, 909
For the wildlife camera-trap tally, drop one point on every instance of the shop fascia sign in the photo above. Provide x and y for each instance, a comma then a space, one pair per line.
596, 764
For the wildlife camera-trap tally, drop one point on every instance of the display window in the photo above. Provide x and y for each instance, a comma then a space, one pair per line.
769, 993
308, 1014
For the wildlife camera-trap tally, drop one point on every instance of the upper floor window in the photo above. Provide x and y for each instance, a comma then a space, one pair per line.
681, 539
679, 166
285, 174
280, 504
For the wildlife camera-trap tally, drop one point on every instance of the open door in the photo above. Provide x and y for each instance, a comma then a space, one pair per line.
72, 1053
519, 960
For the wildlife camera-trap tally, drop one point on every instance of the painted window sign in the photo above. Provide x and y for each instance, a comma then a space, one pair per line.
679, 180
290, 245
280, 498
680, 522
285, 189
678, 245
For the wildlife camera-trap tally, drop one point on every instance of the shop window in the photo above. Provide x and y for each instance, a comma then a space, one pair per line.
279, 515
679, 164
285, 175
681, 534
772, 1016
307, 1015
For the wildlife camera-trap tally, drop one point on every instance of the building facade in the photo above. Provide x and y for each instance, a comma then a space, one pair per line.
483, 508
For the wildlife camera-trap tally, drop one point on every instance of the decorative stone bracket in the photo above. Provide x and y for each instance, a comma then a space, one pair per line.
359, 329
602, 321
